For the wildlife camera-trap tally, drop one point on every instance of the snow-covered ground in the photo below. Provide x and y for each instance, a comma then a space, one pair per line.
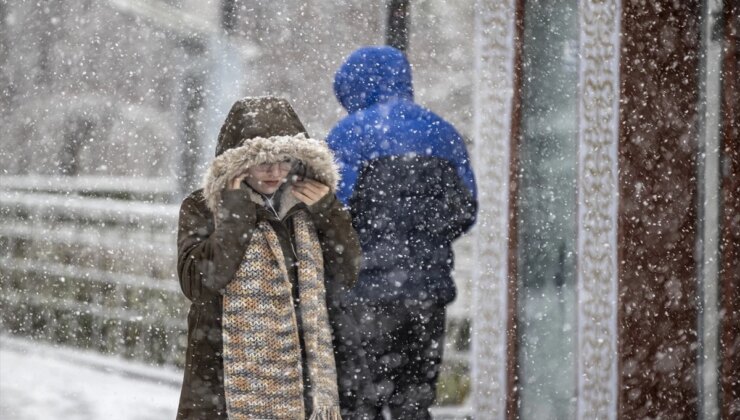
39, 381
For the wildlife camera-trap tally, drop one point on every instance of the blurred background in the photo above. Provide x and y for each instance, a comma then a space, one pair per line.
602, 279
88, 85
109, 113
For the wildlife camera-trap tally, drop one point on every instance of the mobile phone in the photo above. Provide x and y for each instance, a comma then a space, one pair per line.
297, 172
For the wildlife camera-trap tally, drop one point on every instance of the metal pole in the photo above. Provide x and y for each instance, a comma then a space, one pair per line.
229, 16
397, 31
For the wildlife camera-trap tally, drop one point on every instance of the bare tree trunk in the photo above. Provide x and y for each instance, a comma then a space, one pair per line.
191, 132
229, 15
397, 31
76, 134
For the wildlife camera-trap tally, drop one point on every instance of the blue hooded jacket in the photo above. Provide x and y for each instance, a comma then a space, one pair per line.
406, 175
374, 86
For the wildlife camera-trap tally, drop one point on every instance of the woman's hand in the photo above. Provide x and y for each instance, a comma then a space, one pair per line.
237, 181
309, 191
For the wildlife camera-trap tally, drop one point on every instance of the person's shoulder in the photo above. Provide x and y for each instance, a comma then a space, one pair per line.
433, 117
195, 201
415, 111
351, 126
357, 116
343, 124
195, 196
441, 126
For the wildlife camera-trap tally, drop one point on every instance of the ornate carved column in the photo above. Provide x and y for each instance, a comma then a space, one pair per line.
495, 87
598, 197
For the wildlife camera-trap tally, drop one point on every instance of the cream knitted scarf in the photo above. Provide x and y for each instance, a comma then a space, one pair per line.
263, 376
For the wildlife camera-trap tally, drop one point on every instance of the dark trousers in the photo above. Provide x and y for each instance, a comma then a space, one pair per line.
403, 347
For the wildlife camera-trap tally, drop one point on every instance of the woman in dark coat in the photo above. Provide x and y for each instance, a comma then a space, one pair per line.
265, 255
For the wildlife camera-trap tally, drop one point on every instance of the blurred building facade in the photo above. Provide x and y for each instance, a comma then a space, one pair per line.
607, 146
140, 88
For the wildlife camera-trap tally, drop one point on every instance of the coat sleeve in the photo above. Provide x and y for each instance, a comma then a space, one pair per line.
451, 146
345, 141
449, 215
209, 253
339, 242
460, 209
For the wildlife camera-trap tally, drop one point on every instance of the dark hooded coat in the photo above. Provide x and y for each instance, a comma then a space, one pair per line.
211, 247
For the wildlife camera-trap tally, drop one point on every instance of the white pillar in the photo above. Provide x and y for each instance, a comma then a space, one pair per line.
598, 195
494, 94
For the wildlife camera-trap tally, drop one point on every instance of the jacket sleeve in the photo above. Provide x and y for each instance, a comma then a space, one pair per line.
462, 208
455, 214
209, 253
345, 140
339, 242
452, 148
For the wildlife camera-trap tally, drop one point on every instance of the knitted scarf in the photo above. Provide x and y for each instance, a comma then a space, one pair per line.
263, 376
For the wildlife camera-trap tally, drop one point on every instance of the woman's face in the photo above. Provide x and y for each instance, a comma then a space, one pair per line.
266, 178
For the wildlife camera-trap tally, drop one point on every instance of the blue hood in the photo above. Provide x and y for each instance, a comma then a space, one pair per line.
373, 75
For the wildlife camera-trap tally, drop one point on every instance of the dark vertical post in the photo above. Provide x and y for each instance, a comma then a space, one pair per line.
45, 47
229, 15
513, 373
191, 101
191, 131
657, 239
6, 86
76, 134
397, 31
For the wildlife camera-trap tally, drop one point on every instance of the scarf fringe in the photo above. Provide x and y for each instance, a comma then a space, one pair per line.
326, 413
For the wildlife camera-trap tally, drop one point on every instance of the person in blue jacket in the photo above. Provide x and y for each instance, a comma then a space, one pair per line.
406, 176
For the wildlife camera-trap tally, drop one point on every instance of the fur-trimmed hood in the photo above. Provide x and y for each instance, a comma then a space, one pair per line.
315, 154
265, 130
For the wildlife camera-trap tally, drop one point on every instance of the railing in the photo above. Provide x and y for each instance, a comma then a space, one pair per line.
81, 268
153, 190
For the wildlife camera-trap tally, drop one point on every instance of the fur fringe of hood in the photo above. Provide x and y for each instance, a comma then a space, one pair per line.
315, 154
